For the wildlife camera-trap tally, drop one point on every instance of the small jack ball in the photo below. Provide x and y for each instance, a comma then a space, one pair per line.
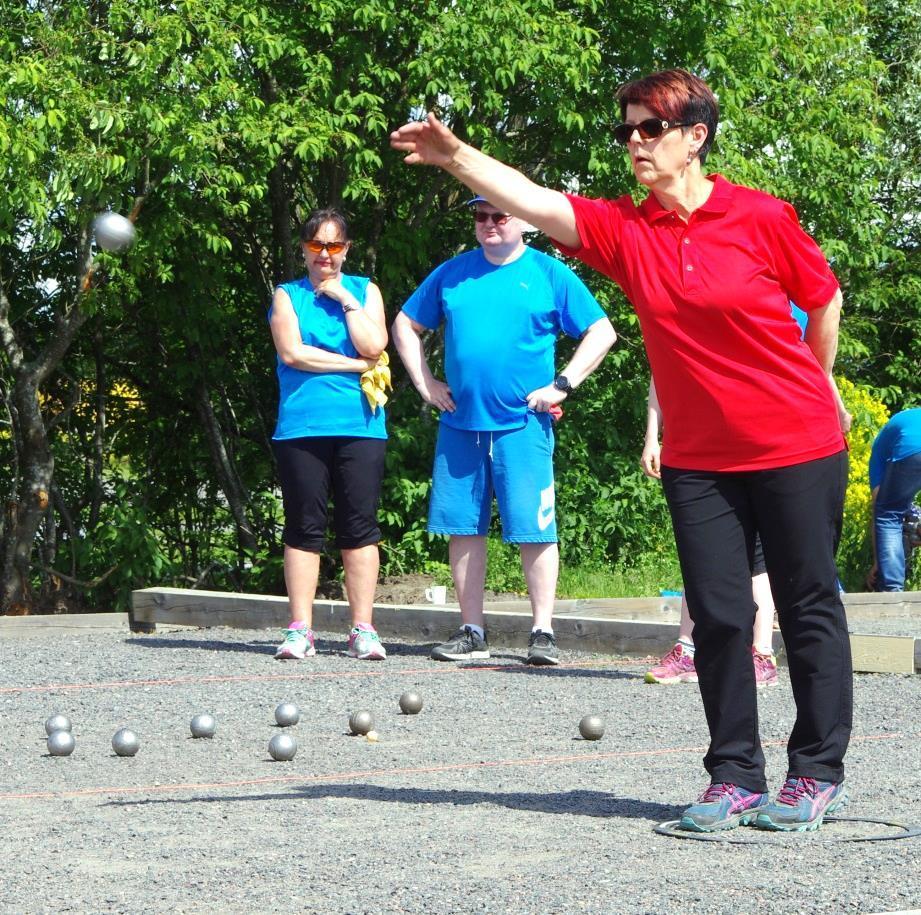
113, 232
57, 723
203, 726
361, 722
125, 742
591, 727
287, 714
282, 747
61, 743
410, 703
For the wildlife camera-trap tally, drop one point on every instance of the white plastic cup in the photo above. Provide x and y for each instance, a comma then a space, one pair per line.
437, 594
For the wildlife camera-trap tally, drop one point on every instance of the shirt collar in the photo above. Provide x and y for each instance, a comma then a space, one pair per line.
718, 201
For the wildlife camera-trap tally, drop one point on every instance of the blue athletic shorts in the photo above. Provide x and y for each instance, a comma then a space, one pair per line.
515, 465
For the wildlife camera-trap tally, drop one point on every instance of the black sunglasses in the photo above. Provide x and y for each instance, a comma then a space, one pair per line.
648, 129
499, 219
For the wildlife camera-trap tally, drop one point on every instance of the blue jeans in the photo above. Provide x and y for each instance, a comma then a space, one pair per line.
901, 482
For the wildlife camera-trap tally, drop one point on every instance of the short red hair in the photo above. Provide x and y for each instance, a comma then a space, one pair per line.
674, 95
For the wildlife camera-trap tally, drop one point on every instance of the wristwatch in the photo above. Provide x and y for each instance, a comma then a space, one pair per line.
561, 383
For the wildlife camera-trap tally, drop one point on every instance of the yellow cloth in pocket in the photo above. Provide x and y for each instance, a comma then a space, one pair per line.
376, 381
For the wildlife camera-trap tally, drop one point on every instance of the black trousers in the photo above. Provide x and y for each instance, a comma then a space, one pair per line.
797, 510
349, 468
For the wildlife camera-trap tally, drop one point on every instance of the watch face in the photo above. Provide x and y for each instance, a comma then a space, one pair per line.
561, 383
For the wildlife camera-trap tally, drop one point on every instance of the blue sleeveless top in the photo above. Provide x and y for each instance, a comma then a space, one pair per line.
313, 404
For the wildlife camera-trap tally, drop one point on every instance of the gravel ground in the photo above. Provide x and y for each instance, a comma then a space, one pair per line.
485, 802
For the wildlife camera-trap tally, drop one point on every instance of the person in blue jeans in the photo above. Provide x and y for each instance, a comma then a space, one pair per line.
503, 304
895, 480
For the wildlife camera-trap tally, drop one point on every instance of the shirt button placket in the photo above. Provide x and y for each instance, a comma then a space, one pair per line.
687, 261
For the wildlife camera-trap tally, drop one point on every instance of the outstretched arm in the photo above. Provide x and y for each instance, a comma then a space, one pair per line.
430, 142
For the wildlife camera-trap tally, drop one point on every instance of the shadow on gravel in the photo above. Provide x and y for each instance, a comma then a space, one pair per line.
324, 646
572, 803
591, 673
202, 644
504, 662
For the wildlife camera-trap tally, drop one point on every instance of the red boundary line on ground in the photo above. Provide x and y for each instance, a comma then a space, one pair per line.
383, 773
318, 675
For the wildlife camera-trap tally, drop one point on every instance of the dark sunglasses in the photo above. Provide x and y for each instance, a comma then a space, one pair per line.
648, 129
499, 219
333, 247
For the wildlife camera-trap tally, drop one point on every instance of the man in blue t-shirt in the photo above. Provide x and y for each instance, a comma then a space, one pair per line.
895, 480
503, 305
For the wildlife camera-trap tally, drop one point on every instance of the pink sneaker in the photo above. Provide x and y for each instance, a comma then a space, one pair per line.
765, 668
675, 667
365, 645
297, 645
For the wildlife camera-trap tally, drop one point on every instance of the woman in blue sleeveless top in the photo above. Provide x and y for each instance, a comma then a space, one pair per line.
329, 328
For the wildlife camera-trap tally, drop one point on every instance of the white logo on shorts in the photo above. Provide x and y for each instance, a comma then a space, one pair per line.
546, 511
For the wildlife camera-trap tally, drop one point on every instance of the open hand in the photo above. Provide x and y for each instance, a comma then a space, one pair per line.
428, 142
438, 394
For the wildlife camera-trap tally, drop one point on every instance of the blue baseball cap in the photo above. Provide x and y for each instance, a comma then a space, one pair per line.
477, 199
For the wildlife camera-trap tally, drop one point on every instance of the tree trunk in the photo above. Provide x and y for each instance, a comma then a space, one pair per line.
99, 429
36, 466
230, 482
30, 497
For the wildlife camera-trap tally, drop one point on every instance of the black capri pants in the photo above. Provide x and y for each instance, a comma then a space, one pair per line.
311, 470
797, 511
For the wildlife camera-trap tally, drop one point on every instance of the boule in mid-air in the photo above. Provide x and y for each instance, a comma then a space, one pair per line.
113, 231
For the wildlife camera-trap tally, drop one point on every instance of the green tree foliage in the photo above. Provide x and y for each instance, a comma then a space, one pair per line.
137, 389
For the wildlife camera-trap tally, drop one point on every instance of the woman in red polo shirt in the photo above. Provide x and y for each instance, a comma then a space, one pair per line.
752, 437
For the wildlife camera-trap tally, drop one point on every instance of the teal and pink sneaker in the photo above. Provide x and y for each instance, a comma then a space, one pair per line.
802, 804
723, 806
298, 643
365, 644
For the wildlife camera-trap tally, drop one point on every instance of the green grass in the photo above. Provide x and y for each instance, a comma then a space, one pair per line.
649, 575
646, 579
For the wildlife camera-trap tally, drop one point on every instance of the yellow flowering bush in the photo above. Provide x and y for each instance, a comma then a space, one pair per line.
855, 555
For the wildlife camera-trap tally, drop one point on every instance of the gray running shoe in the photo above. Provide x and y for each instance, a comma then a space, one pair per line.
464, 645
542, 648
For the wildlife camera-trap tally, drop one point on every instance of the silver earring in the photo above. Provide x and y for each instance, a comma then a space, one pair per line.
691, 153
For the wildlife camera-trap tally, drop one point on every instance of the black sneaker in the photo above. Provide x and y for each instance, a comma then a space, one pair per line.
542, 648
464, 645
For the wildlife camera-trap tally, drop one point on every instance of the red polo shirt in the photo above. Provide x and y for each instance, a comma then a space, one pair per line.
738, 387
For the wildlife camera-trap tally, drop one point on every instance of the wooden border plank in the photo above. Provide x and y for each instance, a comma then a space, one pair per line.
646, 627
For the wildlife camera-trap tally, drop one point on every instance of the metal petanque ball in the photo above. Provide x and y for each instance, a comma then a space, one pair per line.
282, 747
113, 232
61, 743
287, 714
591, 727
125, 742
361, 722
203, 725
57, 723
410, 703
